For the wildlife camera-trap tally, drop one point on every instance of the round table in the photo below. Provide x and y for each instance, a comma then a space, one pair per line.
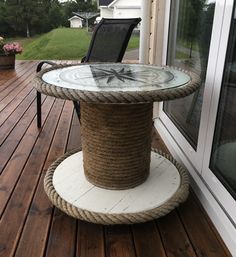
116, 178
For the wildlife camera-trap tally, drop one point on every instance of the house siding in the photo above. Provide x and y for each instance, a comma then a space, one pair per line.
126, 13
75, 23
106, 12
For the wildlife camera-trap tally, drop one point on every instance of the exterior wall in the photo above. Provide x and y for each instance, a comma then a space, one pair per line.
127, 3
153, 18
122, 9
152, 35
126, 13
157, 20
106, 12
75, 23
127, 9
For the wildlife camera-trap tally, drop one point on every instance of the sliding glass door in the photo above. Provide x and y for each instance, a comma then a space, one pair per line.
188, 48
194, 35
219, 166
202, 126
223, 154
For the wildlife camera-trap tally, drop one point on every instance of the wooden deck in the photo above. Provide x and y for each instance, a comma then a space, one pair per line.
31, 227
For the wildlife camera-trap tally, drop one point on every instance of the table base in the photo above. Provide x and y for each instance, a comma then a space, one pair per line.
117, 138
67, 188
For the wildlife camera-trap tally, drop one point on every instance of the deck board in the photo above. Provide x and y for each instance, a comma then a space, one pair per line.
147, 240
90, 240
178, 246
31, 226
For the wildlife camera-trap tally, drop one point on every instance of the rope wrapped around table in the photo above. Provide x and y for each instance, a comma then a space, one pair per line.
118, 96
116, 143
119, 218
108, 100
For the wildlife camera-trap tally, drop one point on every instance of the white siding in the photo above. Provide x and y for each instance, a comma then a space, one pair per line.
126, 13
106, 13
128, 3
122, 9
75, 23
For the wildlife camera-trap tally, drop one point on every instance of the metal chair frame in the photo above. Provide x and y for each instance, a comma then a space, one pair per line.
133, 22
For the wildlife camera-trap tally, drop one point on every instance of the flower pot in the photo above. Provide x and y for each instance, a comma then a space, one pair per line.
7, 62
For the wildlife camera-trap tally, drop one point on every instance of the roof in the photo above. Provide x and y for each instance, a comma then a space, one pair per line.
105, 2
131, 4
86, 15
75, 17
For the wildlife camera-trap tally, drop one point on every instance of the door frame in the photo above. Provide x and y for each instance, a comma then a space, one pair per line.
213, 196
196, 156
223, 196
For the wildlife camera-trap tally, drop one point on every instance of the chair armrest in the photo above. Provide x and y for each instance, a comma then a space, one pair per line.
83, 59
39, 66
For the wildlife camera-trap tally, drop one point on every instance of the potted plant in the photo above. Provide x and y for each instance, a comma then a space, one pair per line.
7, 54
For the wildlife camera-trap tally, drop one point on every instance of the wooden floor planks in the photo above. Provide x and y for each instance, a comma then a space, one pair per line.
147, 240
178, 246
31, 226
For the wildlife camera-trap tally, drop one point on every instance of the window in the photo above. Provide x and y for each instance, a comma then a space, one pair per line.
188, 48
223, 155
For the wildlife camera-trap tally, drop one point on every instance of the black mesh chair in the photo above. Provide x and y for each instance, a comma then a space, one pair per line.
108, 44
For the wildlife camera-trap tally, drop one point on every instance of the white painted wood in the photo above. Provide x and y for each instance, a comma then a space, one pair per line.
145, 31
121, 9
75, 22
70, 183
166, 32
157, 31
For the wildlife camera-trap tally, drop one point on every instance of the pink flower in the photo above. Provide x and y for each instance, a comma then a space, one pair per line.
12, 48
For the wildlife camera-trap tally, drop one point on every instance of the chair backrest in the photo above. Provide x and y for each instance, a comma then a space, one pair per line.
110, 40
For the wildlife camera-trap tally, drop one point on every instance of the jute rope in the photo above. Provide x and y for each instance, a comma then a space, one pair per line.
119, 218
116, 143
116, 97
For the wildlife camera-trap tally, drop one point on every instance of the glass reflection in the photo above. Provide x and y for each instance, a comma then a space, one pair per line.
188, 48
223, 156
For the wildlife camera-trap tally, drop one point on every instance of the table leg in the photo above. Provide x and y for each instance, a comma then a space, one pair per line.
116, 143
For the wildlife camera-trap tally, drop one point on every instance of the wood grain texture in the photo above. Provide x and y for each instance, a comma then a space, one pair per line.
200, 233
17, 208
90, 240
15, 165
31, 227
147, 240
35, 233
119, 241
174, 238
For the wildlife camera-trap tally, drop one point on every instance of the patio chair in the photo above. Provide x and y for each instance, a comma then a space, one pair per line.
108, 44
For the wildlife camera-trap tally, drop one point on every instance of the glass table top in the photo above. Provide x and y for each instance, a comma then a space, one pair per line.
112, 77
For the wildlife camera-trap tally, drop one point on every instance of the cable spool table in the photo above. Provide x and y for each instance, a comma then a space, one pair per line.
117, 178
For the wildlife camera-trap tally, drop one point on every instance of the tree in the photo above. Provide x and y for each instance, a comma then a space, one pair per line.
189, 13
56, 15
21, 15
27, 17
4, 27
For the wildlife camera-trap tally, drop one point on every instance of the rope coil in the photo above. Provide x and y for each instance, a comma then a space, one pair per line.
118, 96
116, 143
120, 218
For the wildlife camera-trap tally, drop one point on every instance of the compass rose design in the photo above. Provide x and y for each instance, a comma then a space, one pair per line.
114, 77
121, 74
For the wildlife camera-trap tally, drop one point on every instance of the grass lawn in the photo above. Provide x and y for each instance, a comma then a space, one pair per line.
61, 44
